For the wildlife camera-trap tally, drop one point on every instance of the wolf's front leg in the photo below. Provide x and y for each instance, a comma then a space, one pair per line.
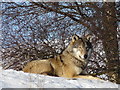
87, 77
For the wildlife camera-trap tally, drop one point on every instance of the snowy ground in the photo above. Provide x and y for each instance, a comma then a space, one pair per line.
19, 79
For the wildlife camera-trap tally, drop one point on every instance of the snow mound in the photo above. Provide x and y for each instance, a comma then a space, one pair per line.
19, 79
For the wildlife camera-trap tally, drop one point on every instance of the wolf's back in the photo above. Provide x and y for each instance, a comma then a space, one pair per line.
38, 66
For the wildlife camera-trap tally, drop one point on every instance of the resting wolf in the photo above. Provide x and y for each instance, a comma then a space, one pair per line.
69, 64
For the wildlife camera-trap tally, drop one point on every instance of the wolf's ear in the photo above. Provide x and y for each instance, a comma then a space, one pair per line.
74, 38
88, 37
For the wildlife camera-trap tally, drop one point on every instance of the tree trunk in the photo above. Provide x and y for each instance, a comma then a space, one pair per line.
110, 41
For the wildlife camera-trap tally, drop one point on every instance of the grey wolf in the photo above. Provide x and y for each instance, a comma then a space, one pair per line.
69, 64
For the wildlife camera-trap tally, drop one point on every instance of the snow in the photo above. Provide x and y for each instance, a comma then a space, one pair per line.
18, 79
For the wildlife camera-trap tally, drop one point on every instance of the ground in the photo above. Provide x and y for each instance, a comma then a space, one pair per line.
19, 79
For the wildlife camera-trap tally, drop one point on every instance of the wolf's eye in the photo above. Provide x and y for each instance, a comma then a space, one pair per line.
79, 47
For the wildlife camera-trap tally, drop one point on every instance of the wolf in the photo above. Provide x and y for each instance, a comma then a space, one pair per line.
70, 64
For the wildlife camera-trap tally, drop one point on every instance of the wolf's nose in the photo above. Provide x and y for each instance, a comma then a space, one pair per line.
85, 56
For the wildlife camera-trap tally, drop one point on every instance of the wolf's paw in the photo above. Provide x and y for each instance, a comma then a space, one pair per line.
87, 77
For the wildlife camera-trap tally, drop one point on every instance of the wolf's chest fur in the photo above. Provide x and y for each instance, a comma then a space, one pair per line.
67, 65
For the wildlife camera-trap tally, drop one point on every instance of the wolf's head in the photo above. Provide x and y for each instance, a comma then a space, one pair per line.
80, 46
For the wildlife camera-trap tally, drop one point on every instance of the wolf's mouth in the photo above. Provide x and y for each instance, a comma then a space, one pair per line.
83, 57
